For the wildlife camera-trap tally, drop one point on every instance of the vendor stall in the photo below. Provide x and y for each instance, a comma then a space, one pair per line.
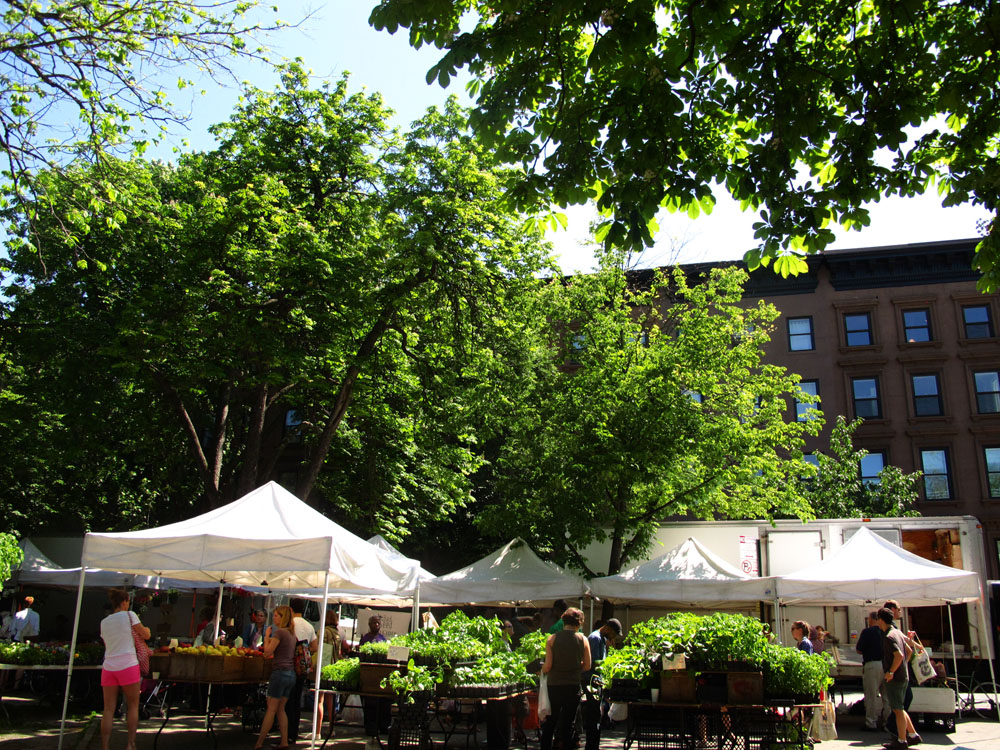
268, 537
869, 570
513, 575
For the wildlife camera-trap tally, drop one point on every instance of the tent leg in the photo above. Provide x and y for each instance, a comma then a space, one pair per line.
218, 613
985, 634
954, 658
319, 661
415, 620
72, 653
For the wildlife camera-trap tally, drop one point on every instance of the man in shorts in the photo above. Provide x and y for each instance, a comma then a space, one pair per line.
894, 657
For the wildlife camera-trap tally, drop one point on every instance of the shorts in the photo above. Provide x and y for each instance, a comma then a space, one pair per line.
281, 683
895, 694
122, 677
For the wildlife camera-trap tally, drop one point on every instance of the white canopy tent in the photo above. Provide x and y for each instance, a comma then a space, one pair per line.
37, 569
868, 569
268, 537
689, 574
513, 575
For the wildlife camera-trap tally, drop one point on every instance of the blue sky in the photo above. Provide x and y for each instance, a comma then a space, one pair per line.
337, 38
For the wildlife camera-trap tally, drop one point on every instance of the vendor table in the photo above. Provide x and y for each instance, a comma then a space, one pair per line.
684, 726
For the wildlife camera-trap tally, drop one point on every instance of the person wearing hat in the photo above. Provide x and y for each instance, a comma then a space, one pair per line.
600, 641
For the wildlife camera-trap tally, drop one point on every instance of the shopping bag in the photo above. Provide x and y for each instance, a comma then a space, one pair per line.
618, 712
923, 670
823, 726
544, 707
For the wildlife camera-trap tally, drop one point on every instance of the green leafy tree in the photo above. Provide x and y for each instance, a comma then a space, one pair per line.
838, 491
106, 65
10, 555
805, 110
316, 262
650, 399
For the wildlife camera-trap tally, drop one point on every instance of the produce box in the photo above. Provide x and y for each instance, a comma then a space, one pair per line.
212, 667
745, 688
373, 674
257, 668
159, 664
185, 666
677, 687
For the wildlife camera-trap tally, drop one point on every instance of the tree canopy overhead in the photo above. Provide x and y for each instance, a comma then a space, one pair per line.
803, 109
83, 77
321, 296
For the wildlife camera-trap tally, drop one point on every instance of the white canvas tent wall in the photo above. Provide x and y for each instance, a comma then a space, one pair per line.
266, 536
868, 569
513, 575
690, 575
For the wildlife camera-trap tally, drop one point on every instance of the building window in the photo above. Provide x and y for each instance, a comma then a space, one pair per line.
802, 410
858, 329
978, 322
926, 396
871, 466
937, 483
916, 326
293, 426
800, 334
993, 470
988, 392
866, 399
811, 458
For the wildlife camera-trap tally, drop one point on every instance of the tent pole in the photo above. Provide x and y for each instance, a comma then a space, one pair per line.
72, 653
218, 613
415, 625
985, 634
592, 613
319, 660
954, 658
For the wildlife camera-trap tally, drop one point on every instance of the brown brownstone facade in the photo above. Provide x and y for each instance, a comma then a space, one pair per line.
901, 336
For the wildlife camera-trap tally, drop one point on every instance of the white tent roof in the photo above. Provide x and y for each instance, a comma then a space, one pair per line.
689, 574
394, 554
513, 574
869, 568
37, 569
268, 537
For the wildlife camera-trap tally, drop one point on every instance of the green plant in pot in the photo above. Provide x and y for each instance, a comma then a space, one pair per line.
416, 679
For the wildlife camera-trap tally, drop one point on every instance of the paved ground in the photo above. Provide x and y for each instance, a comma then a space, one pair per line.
31, 725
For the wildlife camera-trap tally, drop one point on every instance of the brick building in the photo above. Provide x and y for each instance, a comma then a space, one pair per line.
901, 337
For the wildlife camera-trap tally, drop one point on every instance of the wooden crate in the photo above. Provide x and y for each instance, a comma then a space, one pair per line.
185, 666
233, 667
213, 668
159, 664
254, 666
372, 675
745, 688
677, 687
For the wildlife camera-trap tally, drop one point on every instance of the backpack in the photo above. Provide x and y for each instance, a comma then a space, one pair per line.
302, 661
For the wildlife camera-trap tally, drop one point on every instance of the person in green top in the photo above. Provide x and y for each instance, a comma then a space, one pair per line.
558, 607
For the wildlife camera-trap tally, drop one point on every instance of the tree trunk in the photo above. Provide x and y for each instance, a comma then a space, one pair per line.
249, 472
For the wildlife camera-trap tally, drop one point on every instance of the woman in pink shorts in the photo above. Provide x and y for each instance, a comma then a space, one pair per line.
121, 666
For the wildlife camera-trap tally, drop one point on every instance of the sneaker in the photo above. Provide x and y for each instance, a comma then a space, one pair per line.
895, 744
913, 739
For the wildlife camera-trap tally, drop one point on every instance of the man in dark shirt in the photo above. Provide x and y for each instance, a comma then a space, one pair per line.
870, 647
894, 657
599, 642
377, 711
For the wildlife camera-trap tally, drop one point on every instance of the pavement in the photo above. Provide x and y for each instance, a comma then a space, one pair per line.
32, 725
